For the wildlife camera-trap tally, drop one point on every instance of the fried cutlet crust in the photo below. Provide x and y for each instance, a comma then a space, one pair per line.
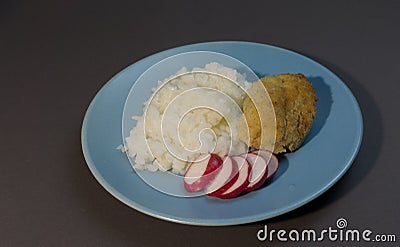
294, 102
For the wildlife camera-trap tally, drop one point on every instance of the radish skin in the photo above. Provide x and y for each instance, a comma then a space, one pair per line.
242, 181
226, 177
201, 172
272, 160
259, 171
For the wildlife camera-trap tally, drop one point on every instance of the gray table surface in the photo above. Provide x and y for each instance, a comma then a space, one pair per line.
55, 56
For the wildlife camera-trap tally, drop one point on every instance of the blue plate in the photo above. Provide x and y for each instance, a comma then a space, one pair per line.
324, 157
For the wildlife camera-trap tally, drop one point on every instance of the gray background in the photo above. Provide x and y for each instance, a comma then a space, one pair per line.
55, 56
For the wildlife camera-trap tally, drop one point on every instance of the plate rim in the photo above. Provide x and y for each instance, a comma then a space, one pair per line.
227, 221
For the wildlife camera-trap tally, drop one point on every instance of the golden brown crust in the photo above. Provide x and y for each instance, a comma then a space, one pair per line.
294, 101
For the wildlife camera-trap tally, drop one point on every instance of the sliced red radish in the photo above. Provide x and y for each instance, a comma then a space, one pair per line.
259, 170
227, 176
202, 171
242, 181
272, 161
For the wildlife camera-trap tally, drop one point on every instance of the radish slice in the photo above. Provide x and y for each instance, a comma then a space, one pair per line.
259, 170
226, 177
202, 171
273, 163
242, 181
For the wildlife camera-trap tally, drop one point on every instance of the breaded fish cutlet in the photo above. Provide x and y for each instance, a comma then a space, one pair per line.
294, 102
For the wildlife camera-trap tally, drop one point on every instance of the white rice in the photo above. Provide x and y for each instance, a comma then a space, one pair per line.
176, 132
